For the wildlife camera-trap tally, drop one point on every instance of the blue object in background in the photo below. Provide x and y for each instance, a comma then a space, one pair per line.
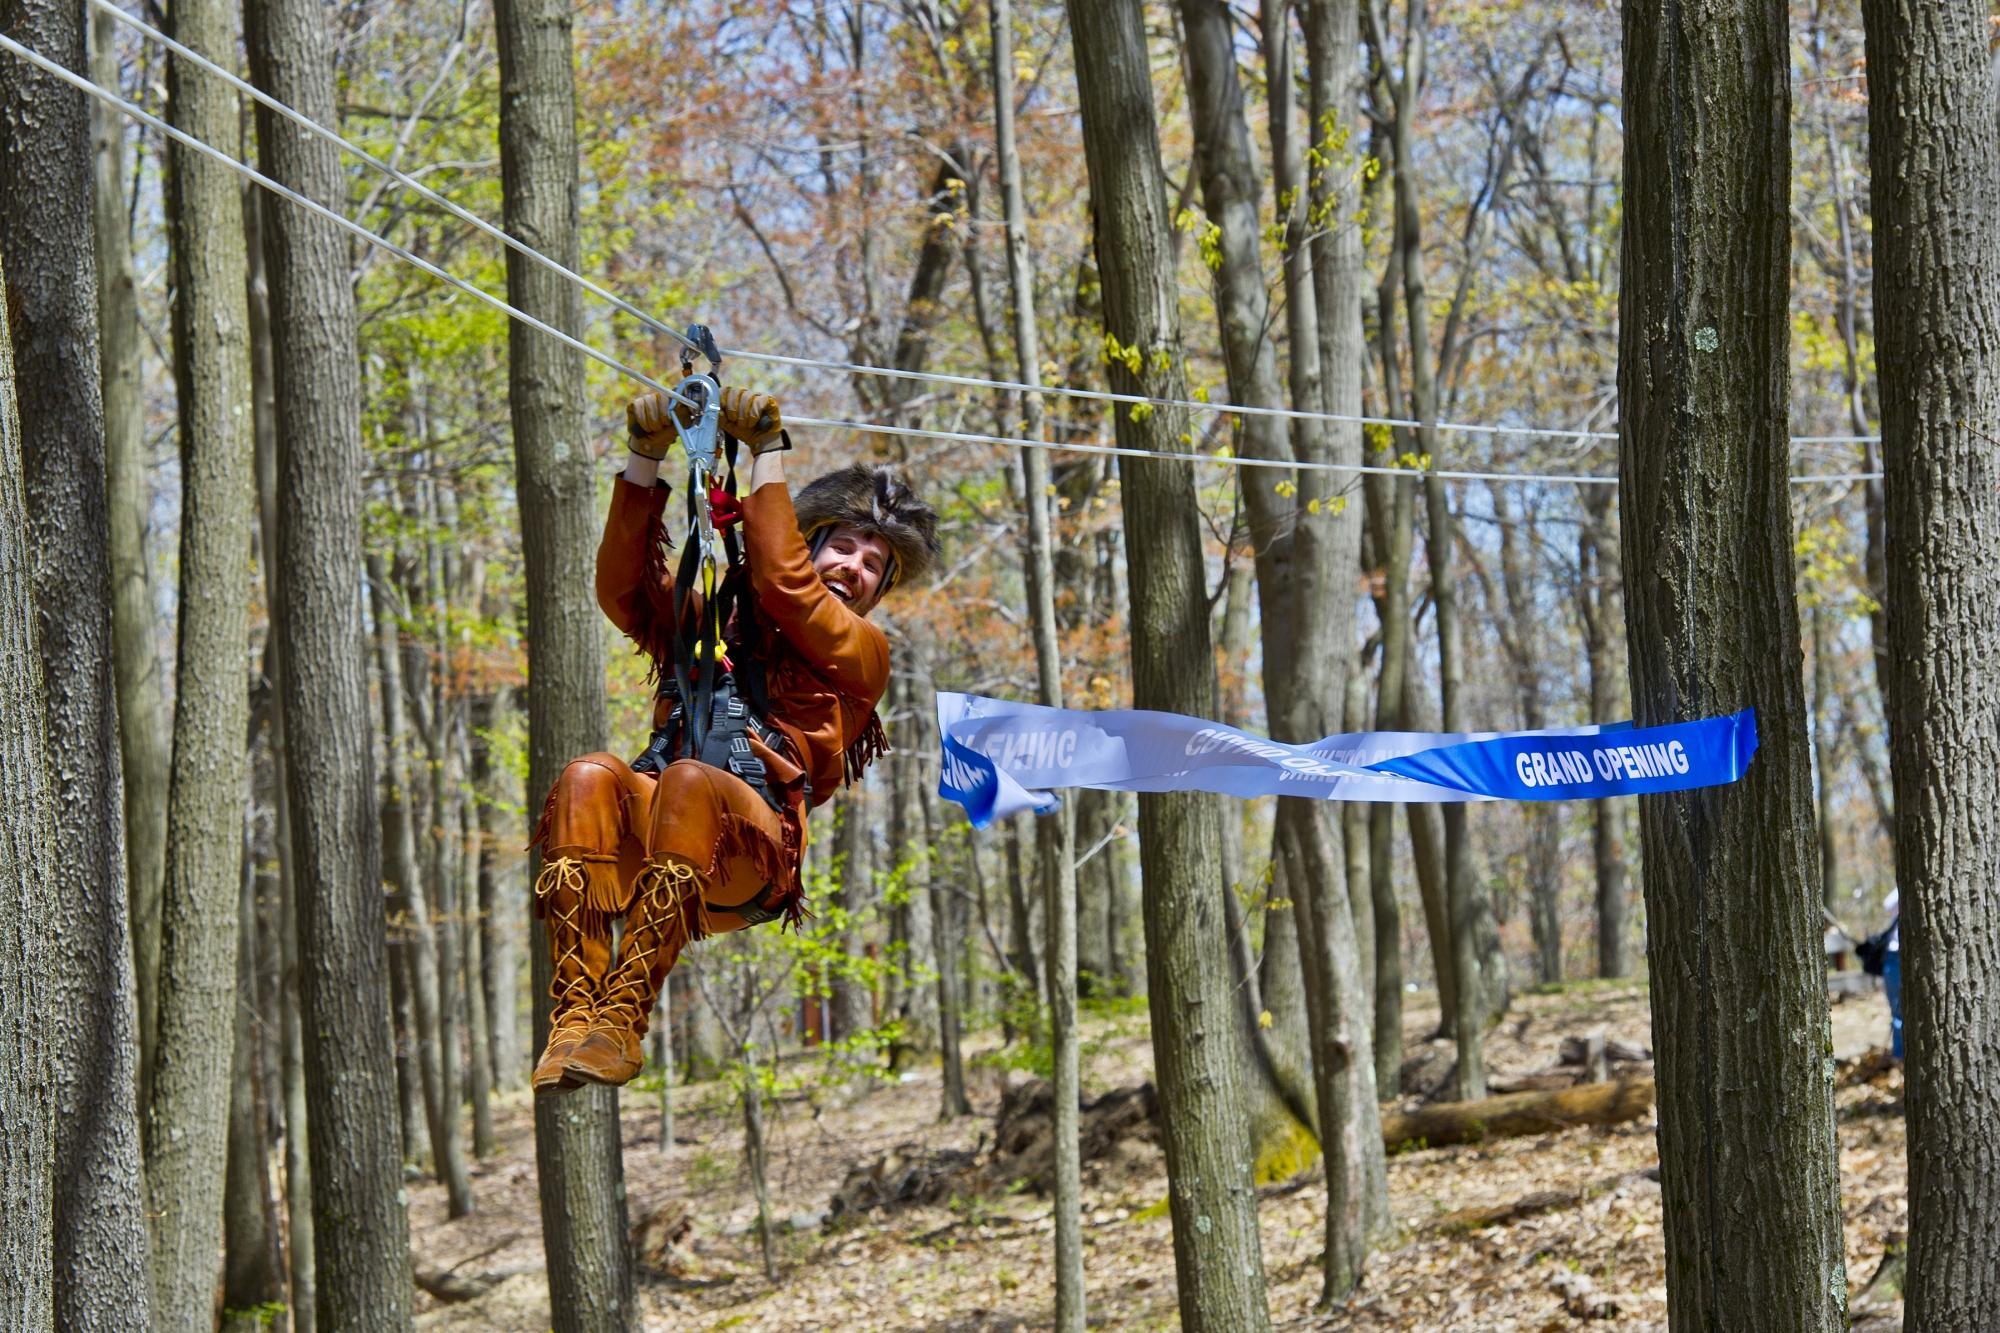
1892, 981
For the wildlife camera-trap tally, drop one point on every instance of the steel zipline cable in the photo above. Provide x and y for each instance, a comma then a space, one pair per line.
845, 367
112, 99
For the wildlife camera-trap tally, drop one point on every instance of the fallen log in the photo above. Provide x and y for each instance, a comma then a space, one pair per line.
1518, 1113
451, 1287
1532, 1205
1022, 1153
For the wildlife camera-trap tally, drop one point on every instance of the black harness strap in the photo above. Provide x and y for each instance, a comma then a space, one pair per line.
720, 698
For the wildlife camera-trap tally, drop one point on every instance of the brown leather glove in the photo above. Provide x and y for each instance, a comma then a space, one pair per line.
754, 418
649, 422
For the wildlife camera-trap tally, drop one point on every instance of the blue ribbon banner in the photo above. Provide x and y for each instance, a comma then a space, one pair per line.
1001, 758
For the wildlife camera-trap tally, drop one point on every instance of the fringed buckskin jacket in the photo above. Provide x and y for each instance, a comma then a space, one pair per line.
826, 668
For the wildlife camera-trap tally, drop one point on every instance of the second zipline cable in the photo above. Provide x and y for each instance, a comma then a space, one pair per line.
844, 367
286, 192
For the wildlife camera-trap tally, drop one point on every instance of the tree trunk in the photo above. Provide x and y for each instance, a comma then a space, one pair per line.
1522, 644
1227, 167
291, 1039
1467, 1017
1391, 505
1278, 1094
1326, 555
1599, 596
1936, 167
1055, 838
409, 901
502, 915
143, 742
948, 942
252, 1278
27, 868
577, 1147
1381, 969
853, 999
46, 244
1747, 1152
478, 1024
428, 672
1824, 738
913, 1004
756, 1157
187, 1117
1218, 1254
360, 1230
1306, 624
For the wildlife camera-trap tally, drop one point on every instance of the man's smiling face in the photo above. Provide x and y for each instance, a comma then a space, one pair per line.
853, 564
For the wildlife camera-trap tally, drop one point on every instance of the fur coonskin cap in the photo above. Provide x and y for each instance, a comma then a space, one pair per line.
877, 500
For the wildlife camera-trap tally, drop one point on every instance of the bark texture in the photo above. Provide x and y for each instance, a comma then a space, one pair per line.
1747, 1151
419, 939
577, 1149
46, 245
1055, 836
253, 1275
135, 653
1935, 159
27, 866
1230, 190
1599, 607
291, 1044
1217, 1252
187, 1110
362, 1258
1326, 546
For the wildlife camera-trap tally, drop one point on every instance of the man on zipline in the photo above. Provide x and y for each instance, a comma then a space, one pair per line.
685, 846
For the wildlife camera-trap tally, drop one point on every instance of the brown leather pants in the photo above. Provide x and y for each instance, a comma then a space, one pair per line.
615, 821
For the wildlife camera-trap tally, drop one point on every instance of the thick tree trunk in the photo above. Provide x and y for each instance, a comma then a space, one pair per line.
577, 1149
1055, 835
1218, 1254
46, 248
1747, 1152
291, 1039
27, 867
360, 1231
187, 1112
1936, 166
1307, 631
1230, 189
1326, 556
143, 742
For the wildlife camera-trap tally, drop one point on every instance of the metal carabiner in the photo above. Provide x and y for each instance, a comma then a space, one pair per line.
699, 439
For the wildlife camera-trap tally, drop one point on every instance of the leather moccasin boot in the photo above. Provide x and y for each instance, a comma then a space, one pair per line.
579, 956
666, 914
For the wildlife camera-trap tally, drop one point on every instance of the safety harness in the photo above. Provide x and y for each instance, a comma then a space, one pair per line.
719, 701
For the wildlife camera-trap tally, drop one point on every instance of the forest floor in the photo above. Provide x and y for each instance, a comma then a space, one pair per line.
982, 1265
